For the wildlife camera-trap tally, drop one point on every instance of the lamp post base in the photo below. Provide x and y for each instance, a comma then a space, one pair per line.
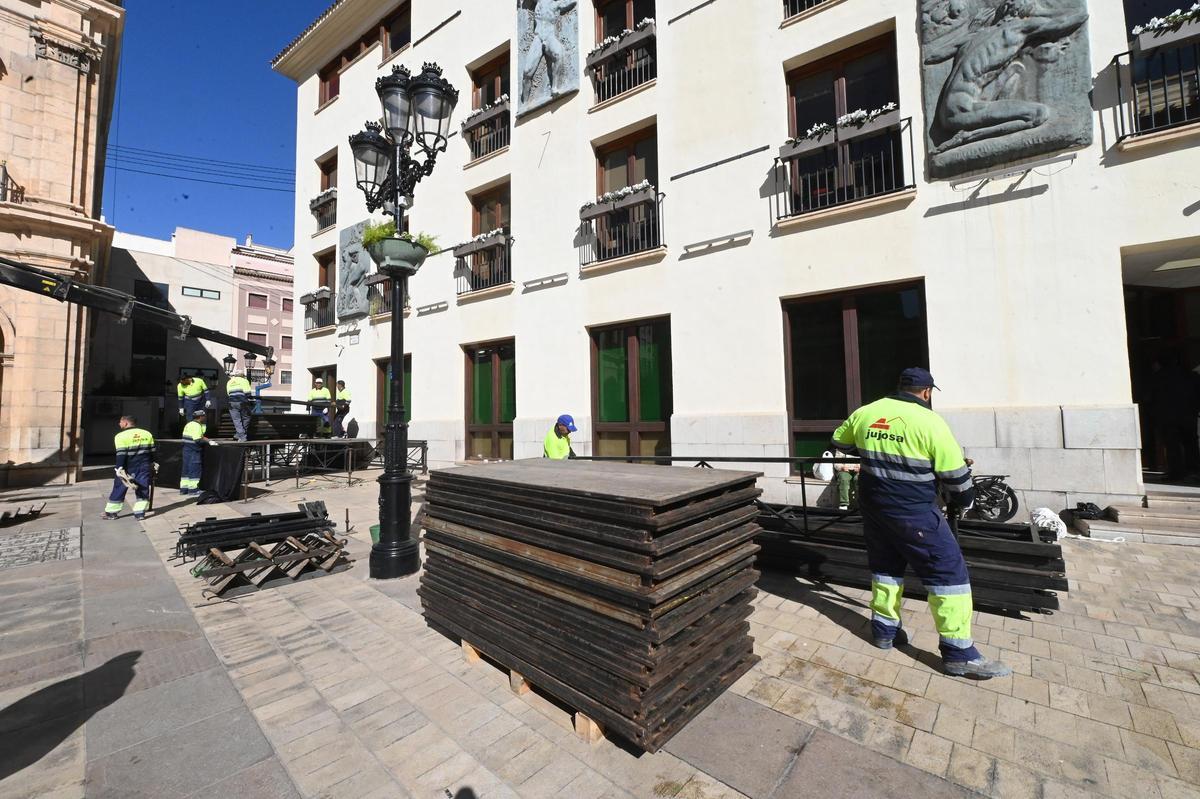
401, 560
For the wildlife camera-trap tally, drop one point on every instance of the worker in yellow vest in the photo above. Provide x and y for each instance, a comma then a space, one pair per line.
239, 392
193, 395
135, 464
194, 441
318, 401
557, 445
341, 409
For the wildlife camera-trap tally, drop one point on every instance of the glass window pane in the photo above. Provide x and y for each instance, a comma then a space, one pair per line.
479, 445
654, 444
506, 446
645, 162
814, 101
612, 19
508, 385
818, 361
616, 170
612, 444
811, 445
871, 81
891, 337
654, 372
481, 387
613, 377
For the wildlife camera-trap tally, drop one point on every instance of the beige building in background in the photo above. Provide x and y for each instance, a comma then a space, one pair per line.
58, 70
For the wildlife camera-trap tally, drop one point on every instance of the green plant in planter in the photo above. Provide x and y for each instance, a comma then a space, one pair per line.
378, 231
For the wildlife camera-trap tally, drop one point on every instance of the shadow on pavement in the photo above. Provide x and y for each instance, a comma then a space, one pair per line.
34, 726
835, 606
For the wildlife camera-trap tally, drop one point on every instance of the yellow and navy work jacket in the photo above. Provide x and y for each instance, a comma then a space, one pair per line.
197, 388
319, 397
907, 451
135, 449
238, 389
193, 432
343, 398
556, 447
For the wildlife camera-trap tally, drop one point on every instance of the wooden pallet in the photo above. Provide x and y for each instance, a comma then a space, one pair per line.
585, 726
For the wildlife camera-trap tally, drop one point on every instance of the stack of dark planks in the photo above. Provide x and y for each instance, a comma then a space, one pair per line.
198, 539
1012, 568
622, 590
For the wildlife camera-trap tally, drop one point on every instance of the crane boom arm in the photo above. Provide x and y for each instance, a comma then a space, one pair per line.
39, 281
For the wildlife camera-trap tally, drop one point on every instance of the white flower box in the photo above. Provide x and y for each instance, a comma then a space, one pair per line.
623, 43
1162, 37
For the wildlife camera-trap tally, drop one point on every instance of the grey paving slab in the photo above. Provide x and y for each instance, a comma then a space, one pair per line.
183, 762
834, 768
160, 710
264, 780
159, 607
742, 743
163, 664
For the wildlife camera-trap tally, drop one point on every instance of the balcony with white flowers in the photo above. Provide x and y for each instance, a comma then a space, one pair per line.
1158, 80
625, 61
621, 225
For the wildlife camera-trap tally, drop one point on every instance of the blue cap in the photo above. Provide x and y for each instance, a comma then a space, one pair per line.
566, 421
916, 377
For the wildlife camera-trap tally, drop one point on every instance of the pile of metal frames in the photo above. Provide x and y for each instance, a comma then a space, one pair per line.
623, 591
1014, 567
256, 567
199, 539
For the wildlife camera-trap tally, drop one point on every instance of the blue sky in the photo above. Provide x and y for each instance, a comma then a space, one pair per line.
195, 87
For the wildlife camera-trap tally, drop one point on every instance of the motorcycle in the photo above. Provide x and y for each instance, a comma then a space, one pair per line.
995, 501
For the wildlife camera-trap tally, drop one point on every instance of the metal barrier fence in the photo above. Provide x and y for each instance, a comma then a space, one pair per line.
849, 169
622, 232
1158, 89
299, 456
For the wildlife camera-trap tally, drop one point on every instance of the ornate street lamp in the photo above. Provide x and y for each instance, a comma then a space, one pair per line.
229, 362
269, 367
416, 116
250, 359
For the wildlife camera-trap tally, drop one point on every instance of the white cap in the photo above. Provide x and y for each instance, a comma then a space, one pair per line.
318, 380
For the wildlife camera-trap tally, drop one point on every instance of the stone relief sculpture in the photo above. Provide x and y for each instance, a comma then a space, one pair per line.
547, 51
354, 266
1003, 80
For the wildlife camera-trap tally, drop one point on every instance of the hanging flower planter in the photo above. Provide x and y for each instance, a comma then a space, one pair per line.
620, 44
877, 121
486, 115
637, 197
795, 148
487, 241
1150, 38
397, 254
589, 212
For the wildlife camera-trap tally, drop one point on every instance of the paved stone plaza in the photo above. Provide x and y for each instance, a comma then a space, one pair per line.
117, 678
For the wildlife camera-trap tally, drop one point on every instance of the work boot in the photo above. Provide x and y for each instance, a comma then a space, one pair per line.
108, 517
899, 639
139, 516
980, 668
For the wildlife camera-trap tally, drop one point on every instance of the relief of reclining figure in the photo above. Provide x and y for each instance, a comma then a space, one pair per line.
979, 98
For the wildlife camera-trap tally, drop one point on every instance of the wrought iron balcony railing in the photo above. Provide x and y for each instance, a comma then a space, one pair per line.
10, 190
793, 7
852, 165
1158, 88
379, 296
484, 265
489, 131
622, 230
624, 65
324, 208
319, 313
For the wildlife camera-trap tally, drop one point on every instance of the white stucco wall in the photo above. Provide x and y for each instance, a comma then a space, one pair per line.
1023, 283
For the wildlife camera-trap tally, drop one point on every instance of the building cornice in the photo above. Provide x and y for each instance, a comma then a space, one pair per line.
261, 275
337, 25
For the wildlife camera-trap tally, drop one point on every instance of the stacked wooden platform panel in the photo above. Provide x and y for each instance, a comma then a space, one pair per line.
622, 590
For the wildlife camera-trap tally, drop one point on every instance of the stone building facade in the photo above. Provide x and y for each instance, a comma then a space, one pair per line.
751, 216
58, 68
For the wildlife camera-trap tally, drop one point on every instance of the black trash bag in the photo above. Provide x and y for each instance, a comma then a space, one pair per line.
1087, 510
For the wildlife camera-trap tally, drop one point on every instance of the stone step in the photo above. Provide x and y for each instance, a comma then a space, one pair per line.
1189, 506
1103, 530
1122, 513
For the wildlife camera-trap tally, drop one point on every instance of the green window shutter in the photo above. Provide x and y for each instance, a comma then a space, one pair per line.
613, 376
481, 387
508, 385
654, 372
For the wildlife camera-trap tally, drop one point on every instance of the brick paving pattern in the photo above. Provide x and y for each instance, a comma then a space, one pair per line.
25, 548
